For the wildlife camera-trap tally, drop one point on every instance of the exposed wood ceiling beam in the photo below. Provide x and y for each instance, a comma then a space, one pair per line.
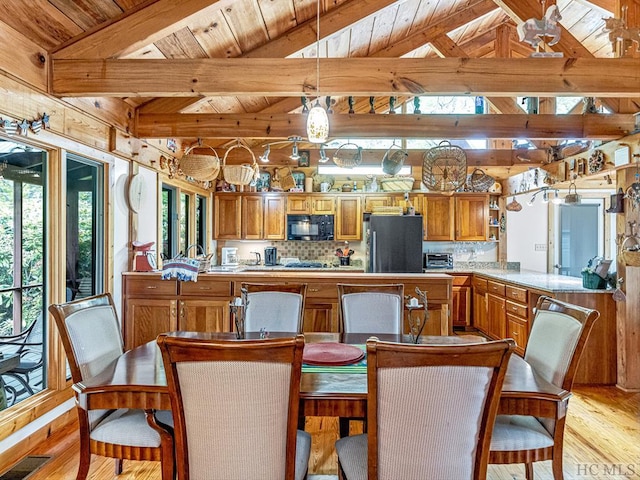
289, 43
603, 127
136, 29
347, 76
336, 19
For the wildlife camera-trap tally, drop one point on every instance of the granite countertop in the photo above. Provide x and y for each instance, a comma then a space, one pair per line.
529, 279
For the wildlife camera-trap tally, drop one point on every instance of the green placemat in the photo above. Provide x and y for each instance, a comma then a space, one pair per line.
360, 367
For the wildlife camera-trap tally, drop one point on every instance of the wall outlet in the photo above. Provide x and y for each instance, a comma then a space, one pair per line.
540, 247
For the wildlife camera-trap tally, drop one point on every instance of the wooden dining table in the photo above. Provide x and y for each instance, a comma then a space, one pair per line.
136, 379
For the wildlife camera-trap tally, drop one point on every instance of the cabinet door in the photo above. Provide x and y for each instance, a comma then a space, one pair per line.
320, 317
145, 319
323, 204
373, 201
517, 329
298, 204
439, 218
497, 316
480, 311
472, 217
210, 315
348, 222
252, 217
274, 218
461, 300
228, 213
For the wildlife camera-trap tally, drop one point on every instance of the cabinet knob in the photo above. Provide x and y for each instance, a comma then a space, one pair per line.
515, 334
151, 287
314, 290
515, 309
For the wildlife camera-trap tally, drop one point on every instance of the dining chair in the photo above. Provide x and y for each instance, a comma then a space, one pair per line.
28, 345
235, 405
556, 342
430, 411
90, 332
371, 308
274, 307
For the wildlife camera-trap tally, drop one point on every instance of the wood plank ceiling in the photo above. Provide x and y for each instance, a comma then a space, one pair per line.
184, 35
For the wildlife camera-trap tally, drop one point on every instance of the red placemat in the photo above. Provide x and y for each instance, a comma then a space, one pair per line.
331, 353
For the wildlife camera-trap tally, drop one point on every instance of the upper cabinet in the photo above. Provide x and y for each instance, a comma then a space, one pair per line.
472, 217
301, 204
249, 217
439, 218
348, 222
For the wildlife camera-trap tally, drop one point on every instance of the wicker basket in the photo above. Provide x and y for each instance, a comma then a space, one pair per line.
343, 158
393, 159
397, 184
198, 166
479, 181
240, 174
204, 260
630, 257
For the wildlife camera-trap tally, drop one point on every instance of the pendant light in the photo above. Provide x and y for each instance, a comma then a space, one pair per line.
317, 120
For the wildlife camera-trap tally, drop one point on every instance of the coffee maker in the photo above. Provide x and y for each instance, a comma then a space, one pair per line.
271, 256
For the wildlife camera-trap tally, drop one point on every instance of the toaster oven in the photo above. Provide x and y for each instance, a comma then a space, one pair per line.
438, 260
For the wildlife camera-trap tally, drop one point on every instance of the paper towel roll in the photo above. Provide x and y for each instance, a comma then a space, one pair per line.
308, 184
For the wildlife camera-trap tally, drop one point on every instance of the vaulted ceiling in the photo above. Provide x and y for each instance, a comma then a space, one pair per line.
227, 69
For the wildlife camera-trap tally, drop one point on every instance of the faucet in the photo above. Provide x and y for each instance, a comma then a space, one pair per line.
258, 260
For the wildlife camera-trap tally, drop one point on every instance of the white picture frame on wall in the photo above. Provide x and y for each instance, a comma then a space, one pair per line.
621, 156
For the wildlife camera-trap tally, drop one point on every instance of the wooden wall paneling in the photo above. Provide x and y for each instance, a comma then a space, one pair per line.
628, 330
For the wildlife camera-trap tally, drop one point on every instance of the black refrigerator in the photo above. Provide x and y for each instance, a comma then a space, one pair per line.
395, 243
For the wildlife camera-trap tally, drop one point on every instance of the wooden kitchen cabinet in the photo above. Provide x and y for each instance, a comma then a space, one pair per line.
275, 225
249, 217
348, 221
153, 306
461, 302
439, 217
479, 297
517, 308
376, 200
496, 316
472, 217
252, 217
227, 216
301, 204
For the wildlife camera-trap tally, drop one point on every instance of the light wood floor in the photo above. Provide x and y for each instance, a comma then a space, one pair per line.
602, 442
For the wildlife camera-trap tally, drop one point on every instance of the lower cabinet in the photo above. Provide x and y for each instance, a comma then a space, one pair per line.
497, 317
461, 302
146, 318
479, 304
204, 315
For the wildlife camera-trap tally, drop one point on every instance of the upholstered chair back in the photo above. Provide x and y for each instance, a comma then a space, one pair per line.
371, 308
235, 406
274, 311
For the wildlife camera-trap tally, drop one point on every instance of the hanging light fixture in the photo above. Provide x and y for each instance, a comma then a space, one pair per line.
317, 120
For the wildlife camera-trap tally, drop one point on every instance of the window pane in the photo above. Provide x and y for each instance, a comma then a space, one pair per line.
84, 227
22, 269
201, 222
169, 219
184, 222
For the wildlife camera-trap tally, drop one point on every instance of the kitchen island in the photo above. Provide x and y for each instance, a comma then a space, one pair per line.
152, 305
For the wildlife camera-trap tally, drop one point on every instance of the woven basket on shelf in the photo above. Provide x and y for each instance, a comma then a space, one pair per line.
397, 184
479, 181
344, 158
240, 174
199, 166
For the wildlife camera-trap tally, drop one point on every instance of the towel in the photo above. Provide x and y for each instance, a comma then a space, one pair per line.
184, 269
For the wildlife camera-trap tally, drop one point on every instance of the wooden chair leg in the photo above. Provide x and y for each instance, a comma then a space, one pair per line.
167, 463
556, 466
85, 448
528, 470
118, 468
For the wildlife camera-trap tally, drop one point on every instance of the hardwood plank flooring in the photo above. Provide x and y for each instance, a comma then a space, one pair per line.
602, 441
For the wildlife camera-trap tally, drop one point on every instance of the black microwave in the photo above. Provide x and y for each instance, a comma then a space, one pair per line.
310, 227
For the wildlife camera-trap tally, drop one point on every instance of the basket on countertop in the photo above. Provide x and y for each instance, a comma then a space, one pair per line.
199, 166
240, 174
204, 261
593, 281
